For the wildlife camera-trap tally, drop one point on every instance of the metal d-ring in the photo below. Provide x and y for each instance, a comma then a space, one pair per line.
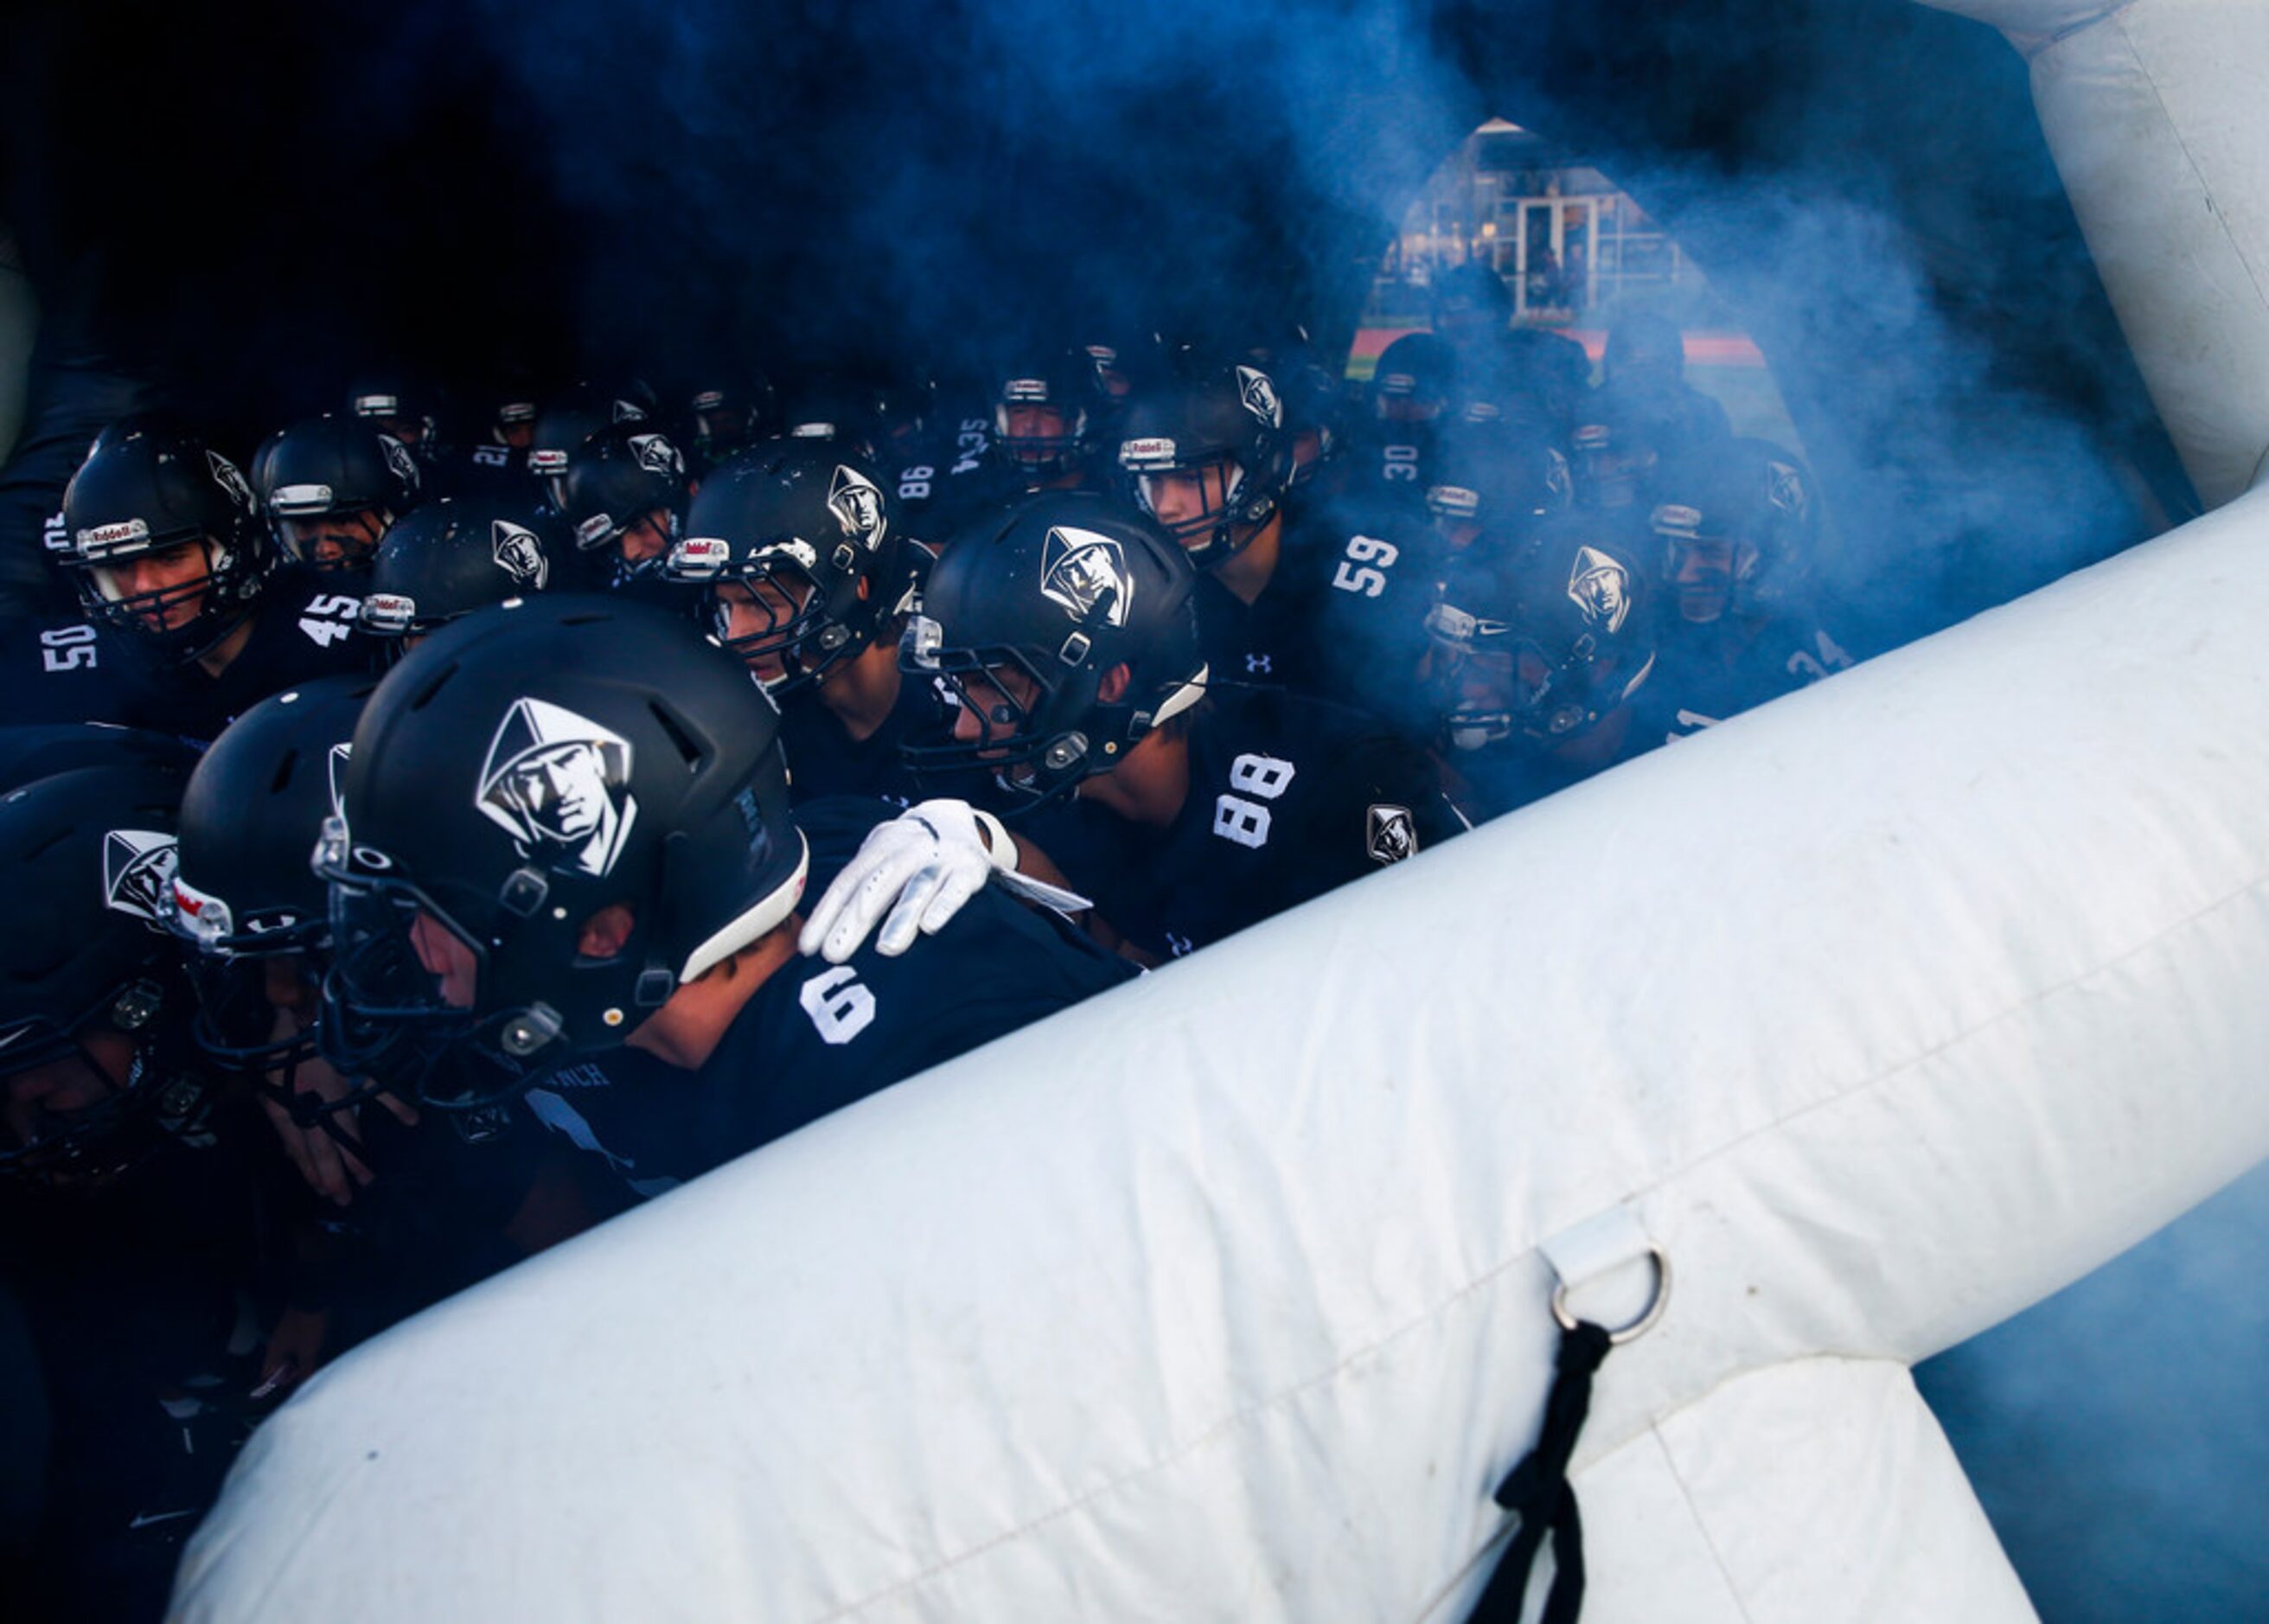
1638, 1328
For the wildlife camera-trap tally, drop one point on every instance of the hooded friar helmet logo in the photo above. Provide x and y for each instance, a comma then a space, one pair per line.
398, 459
225, 475
656, 456
1078, 568
857, 505
519, 553
137, 872
1258, 394
559, 784
1600, 587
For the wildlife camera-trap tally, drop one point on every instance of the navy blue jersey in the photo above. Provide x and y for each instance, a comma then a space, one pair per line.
58, 671
1289, 797
934, 472
816, 1036
1704, 674
303, 629
1369, 579
1390, 464
824, 760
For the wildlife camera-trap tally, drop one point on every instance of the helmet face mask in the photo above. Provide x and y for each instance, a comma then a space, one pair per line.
149, 506
85, 1103
1210, 460
1029, 617
1034, 730
330, 486
791, 542
97, 1070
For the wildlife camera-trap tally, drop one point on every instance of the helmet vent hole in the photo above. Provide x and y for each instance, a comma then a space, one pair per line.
285, 768
687, 747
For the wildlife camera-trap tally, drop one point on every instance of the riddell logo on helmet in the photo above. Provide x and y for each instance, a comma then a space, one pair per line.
1155, 452
709, 400
389, 611
1600, 587
137, 872
699, 557
547, 461
560, 784
117, 535
1677, 519
1025, 391
1079, 567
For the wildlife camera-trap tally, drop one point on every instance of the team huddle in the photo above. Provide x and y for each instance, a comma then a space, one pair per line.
450, 831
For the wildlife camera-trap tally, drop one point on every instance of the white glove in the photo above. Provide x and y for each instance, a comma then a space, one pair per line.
921, 866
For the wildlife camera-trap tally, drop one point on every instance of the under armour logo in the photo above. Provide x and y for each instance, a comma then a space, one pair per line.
1179, 947
1258, 665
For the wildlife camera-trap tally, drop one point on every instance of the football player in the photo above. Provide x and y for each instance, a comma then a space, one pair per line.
1728, 522
330, 486
807, 580
624, 496
1533, 660
1412, 390
136, 1214
1066, 630
570, 832
454, 556
174, 569
433, 1205
1210, 460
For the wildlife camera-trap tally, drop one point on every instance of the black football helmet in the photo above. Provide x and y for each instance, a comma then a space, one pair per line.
1622, 436
41, 750
1495, 479
1645, 349
836, 408
519, 779
1726, 518
244, 894
1059, 383
152, 486
338, 468
1227, 426
619, 479
811, 522
452, 557
724, 412
564, 424
1047, 597
96, 1065
1544, 643
1415, 378
398, 405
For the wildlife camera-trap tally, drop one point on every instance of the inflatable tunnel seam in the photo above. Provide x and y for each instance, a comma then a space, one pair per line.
1600, 1442
2182, 142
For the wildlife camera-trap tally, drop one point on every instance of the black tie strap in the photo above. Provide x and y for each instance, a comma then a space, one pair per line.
1537, 1490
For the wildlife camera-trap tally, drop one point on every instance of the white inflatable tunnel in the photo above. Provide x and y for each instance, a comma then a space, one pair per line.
1880, 1013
